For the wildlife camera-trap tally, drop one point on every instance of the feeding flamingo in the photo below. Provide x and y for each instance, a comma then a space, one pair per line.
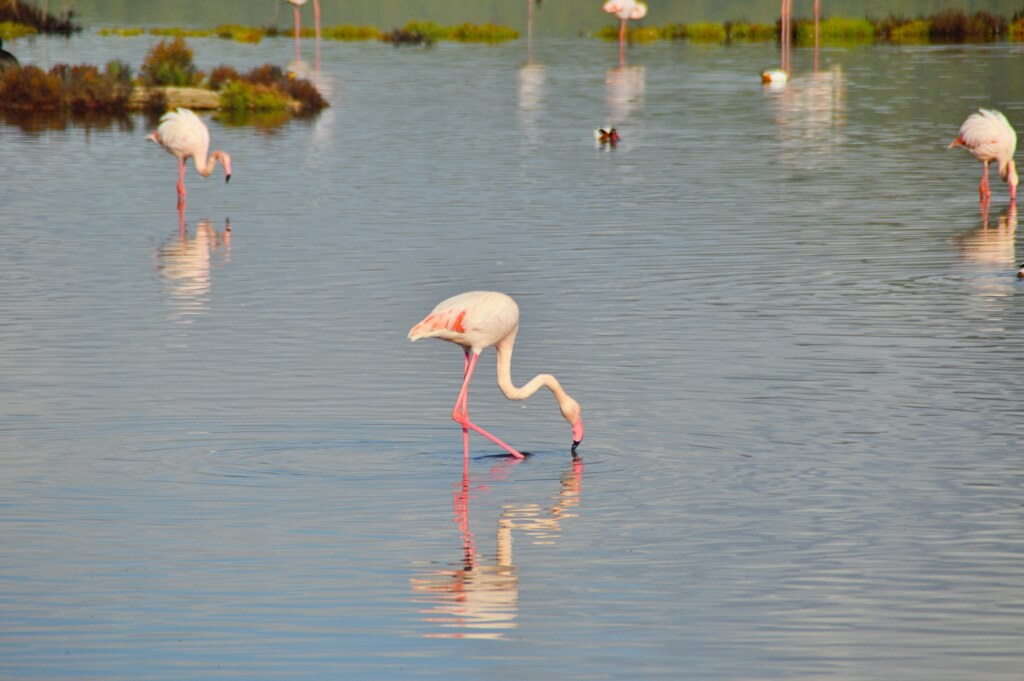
625, 10
988, 136
478, 320
183, 135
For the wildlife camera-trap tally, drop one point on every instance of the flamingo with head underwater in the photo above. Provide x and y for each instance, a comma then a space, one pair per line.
184, 135
988, 136
478, 320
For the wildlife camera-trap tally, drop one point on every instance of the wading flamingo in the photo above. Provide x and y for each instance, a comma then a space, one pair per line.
478, 320
990, 137
625, 10
183, 135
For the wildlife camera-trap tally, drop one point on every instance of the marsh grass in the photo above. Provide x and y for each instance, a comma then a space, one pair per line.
169, 62
25, 14
10, 30
77, 89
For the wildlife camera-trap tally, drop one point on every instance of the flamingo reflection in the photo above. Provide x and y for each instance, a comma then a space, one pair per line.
532, 86
185, 263
480, 598
811, 112
991, 244
624, 92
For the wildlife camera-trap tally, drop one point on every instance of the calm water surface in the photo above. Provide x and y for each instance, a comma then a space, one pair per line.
795, 337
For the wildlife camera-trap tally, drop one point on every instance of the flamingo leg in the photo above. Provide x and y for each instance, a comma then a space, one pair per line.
622, 42
460, 414
298, 53
983, 188
181, 183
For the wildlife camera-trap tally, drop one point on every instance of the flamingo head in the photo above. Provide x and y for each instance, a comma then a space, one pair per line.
225, 160
1020, 272
571, 412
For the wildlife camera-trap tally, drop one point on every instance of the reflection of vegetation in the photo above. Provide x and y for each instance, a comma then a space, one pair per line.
34, 20
413, 32
947, 26
36, 122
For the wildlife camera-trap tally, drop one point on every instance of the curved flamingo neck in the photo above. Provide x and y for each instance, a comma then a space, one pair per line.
509, 389
208, 165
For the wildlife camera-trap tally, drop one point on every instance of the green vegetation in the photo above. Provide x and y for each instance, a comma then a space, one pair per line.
10, 30
170, 63
31, 19
78, 89
947, 26
419, 32
85, 89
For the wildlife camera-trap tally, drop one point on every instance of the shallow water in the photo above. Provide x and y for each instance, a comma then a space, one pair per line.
795, 337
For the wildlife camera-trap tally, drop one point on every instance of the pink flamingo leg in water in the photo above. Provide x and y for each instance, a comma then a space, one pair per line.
181, 183
460, 414
983, 189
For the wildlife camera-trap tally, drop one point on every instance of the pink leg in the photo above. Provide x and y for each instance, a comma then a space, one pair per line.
622, 42
460, 414
298, 52
983, 189
181, 183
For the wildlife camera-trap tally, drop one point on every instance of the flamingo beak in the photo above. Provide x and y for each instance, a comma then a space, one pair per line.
577, 434
227, 178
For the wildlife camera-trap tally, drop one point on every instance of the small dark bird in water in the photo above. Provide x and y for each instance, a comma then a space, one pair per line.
606, 136
1020, 272
7, 59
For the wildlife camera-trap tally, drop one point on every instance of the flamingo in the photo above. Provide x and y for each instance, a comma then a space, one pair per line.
478, 320
988, 136
607, 136
183, 135
625, 10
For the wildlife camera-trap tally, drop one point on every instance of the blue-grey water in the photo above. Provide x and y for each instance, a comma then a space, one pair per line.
796, 339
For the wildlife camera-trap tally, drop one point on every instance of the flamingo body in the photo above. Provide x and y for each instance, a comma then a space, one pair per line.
476, 321
626, 9
989, 137
184, 135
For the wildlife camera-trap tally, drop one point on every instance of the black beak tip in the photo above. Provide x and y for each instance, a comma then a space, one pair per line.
227, 178
575, 444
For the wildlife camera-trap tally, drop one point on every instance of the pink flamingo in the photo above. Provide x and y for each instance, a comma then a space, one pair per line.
988, 136
478, 320
625, 10
183, 135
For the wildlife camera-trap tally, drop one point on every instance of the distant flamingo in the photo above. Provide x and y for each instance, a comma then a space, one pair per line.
183, 135
478, 320
625, 10
988, 136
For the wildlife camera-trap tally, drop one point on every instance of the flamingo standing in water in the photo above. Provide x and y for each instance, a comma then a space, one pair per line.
478, 320
988, 136
625, 10
183, 135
